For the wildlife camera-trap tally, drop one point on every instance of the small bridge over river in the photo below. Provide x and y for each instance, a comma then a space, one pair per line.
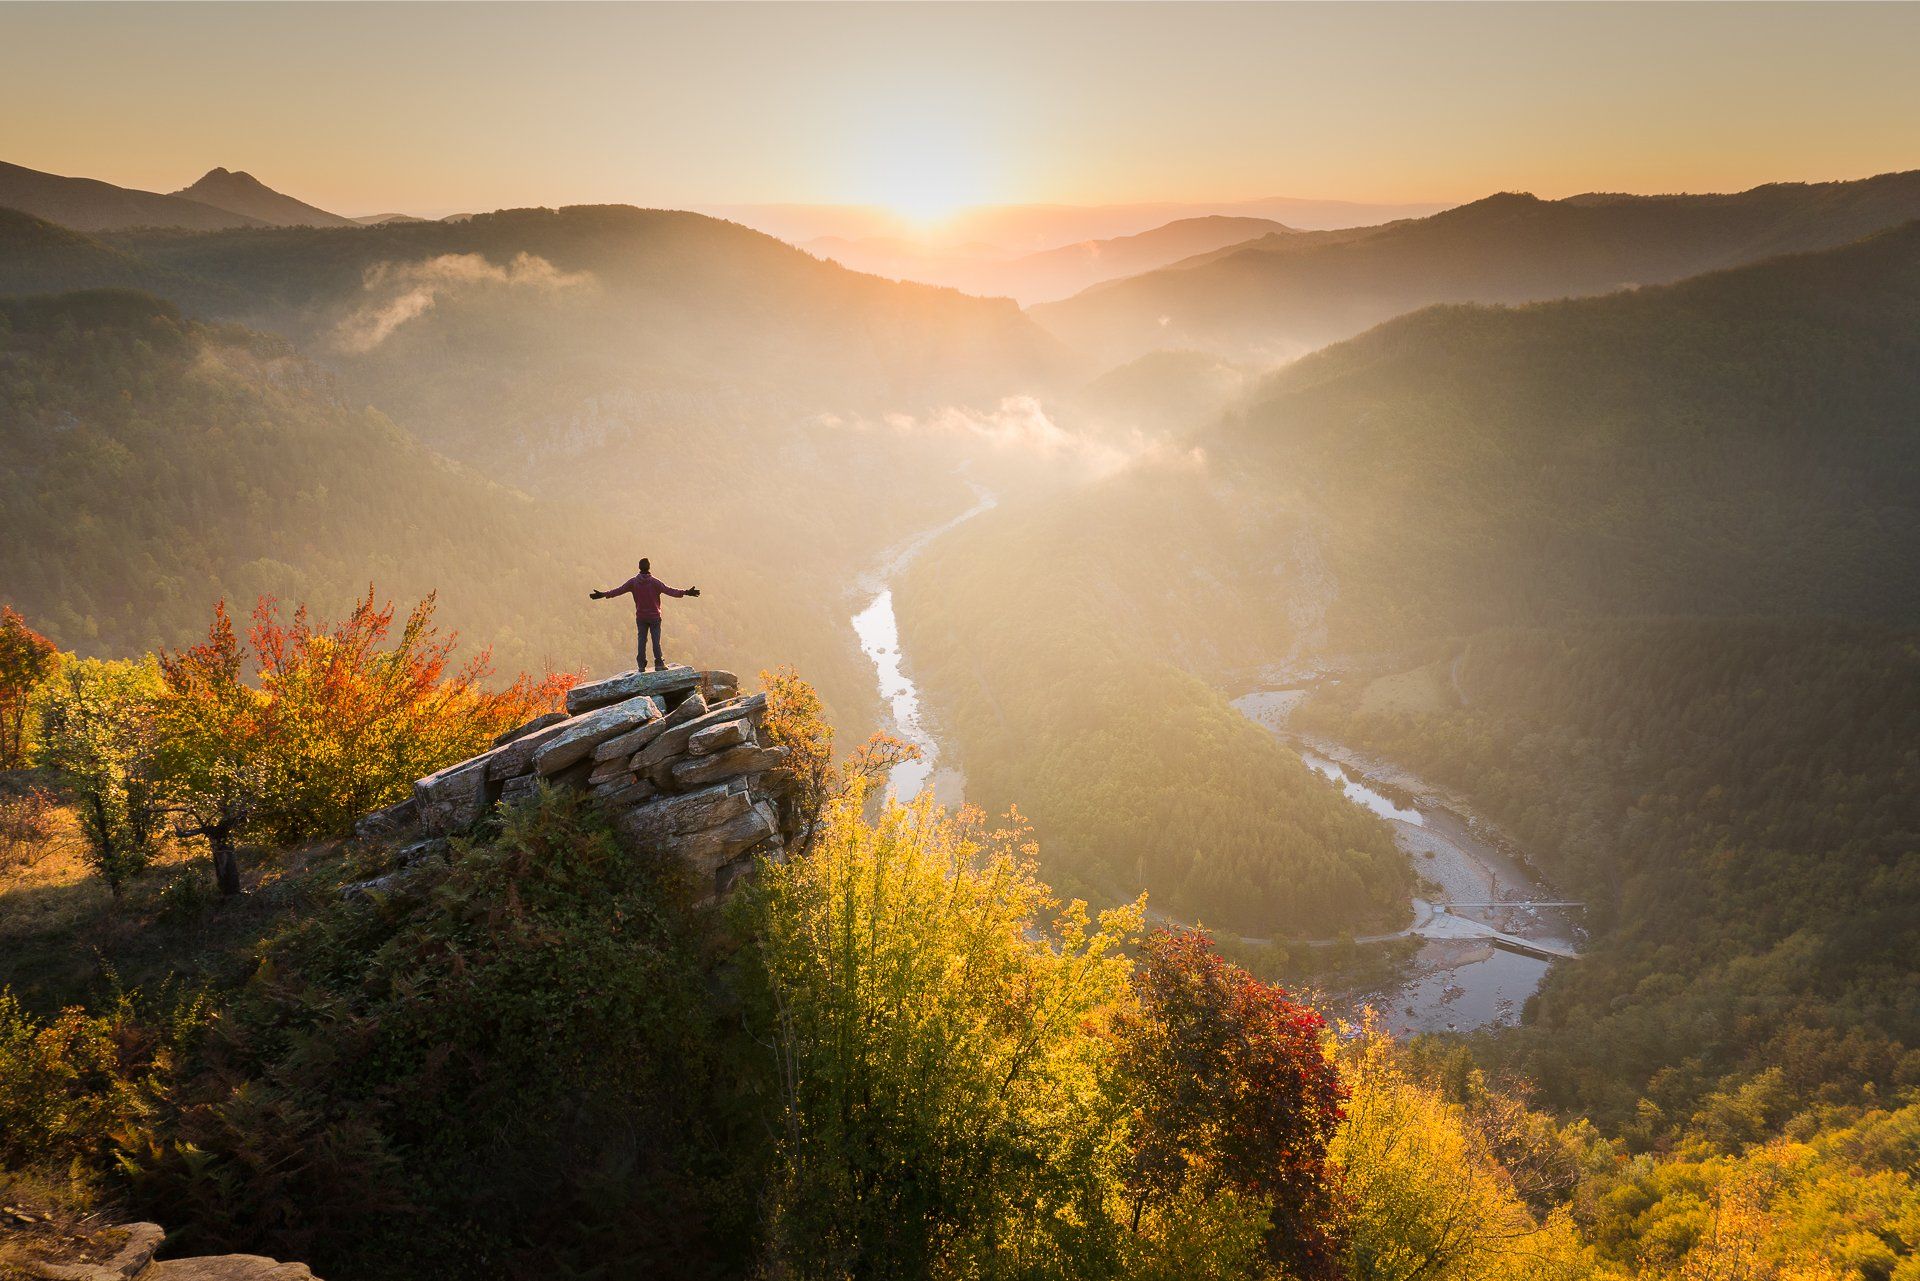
1437, 921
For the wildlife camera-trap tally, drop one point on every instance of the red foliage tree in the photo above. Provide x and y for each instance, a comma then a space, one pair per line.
26, 659
355, 719
1232, 1089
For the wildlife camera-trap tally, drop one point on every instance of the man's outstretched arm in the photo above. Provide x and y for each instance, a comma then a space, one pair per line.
624, 589
679, 591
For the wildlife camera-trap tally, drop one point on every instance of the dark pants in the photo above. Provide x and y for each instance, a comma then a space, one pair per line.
649, 627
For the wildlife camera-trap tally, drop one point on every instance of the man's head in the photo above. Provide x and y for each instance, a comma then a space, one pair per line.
645, 568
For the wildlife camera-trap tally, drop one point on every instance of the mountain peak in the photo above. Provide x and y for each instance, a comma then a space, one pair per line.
238, 191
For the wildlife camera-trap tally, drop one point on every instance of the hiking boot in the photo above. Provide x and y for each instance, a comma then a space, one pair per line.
660, 665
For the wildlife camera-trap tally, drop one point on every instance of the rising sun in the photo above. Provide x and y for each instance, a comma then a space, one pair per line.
924, 170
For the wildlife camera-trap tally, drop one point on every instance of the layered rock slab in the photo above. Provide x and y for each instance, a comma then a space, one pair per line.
678, 757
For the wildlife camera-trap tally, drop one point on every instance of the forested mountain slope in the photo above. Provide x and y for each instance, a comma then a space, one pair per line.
150, 464
713, 398
1744, 443
1281, 296
87, 204
1738, 802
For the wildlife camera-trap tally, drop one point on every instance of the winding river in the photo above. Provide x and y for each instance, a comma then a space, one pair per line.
1469, 888
1457, 982
879, 634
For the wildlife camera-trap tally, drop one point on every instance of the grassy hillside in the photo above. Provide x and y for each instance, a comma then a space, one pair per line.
1281, 296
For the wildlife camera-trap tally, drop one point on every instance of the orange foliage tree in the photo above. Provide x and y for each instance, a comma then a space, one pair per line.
26, 659
342, 720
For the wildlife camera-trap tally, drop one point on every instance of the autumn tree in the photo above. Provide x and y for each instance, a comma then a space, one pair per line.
213, 745
349, 720
1427, 1196
797, 721
26, 660
944, 1110
1232, 1093
100, 740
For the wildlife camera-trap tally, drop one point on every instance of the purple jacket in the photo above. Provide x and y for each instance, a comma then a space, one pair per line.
646, 591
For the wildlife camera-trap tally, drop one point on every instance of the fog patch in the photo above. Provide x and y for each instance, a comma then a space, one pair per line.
1022, 425
404, 291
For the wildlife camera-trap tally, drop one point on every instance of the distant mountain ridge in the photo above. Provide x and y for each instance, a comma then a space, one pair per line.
87, 204
242, 193
1051, 273
1278, 297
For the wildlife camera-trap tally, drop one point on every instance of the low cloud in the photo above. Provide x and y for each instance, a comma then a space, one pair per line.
1021, 424
403, 291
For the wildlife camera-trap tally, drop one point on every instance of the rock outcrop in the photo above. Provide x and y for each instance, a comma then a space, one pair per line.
128, 1256
679, 757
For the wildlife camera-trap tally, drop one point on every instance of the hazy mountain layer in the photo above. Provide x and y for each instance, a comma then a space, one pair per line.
150, 465
1284, 295
1744, 443
1051, 273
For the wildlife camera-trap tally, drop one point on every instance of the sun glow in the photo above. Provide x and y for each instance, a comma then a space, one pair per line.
925, 168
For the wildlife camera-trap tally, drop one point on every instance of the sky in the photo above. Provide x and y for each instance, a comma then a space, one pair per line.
434, 108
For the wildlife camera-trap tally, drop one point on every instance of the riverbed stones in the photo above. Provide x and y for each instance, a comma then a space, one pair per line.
678, 759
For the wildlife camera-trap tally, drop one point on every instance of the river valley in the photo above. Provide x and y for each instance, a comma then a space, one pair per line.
1485, 942
1486, 937
879, 635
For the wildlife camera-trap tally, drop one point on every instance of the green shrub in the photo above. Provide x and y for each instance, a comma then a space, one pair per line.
505, 1074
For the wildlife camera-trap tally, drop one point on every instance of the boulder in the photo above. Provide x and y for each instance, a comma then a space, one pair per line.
133, 1254
383, 824
717, 738
735, 761
537, 723
674, 816
618, 689
607, 771
227, 1267
517, 790
409, 881
674, 741
573, 777
454, 797
576, 739
515, 757
626, 793
719, 686
708, 851
635, 739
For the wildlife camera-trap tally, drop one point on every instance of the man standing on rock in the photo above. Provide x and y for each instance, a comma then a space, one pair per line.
646, 591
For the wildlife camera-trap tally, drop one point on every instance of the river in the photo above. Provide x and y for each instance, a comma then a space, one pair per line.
1455, 983
879, 635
